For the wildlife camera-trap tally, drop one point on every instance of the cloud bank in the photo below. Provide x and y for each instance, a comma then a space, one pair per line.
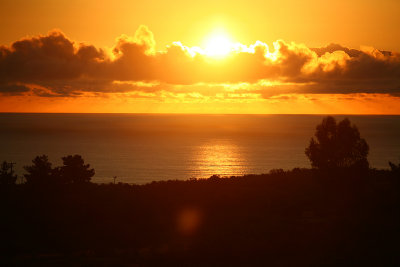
55, 66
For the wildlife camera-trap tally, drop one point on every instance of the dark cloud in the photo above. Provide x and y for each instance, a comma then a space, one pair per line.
44, 58
13, 89
336, 47
53, 65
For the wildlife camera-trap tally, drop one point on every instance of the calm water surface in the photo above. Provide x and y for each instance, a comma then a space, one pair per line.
143, 148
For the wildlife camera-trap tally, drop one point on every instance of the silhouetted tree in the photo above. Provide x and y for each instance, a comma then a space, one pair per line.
75, 170
337, 145
40, 172
7, 176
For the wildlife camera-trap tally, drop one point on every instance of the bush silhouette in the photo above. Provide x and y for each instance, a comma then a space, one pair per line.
75, 170
7, 176
337, 145
395, 168
40, 172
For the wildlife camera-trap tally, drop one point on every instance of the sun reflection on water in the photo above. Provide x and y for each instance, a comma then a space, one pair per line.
218, 156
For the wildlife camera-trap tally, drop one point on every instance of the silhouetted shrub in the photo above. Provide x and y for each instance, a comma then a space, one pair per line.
40, 172
395, 168
7, 176
72, 172
75, 170
337, 145
276, 172
214, 177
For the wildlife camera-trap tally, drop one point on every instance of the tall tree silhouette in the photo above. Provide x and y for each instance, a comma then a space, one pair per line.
75, 170
40, 172
7, 176
337, 145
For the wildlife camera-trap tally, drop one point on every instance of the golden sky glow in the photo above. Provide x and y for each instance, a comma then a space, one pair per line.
213, 57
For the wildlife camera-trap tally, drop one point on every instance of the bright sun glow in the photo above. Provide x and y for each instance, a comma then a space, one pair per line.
218, 45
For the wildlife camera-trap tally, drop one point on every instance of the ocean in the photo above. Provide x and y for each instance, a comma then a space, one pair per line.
140, 148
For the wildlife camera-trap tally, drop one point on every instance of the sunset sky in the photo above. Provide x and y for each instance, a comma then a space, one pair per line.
281, 56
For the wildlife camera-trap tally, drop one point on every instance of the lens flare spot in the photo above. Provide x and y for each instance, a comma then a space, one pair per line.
188, 221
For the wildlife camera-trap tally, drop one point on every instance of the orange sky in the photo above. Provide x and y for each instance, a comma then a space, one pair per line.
266, 56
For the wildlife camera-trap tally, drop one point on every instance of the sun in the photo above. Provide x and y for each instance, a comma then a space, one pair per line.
218, 45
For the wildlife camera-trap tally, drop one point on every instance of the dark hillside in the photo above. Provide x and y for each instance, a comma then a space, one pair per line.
299, 217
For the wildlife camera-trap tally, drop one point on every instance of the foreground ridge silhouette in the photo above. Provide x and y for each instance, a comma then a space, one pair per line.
338, 216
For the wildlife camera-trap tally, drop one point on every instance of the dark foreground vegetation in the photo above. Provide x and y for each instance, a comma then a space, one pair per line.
340, 213
300, 217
